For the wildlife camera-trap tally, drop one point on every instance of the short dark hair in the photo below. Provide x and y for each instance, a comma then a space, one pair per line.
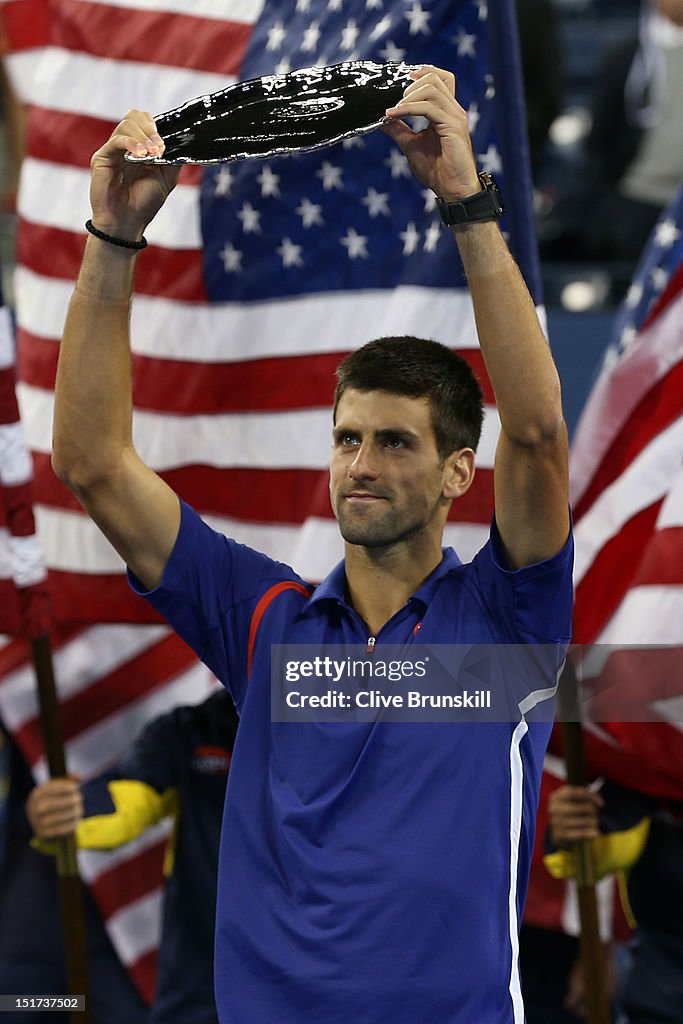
420, 368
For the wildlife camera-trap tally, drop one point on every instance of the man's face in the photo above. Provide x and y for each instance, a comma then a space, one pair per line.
386, 477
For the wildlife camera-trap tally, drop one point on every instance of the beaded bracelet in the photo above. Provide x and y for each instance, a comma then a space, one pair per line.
122, 242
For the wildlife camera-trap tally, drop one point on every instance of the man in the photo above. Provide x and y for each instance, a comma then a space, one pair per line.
369, 871
177, 767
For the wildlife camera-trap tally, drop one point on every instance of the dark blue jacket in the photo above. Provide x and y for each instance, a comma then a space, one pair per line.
178, 766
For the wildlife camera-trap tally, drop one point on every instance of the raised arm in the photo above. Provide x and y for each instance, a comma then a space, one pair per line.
530, 475
93, 452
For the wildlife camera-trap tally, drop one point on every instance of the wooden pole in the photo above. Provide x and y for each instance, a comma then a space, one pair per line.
592, 951
70, 887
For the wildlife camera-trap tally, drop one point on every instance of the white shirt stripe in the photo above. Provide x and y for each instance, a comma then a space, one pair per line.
516, 809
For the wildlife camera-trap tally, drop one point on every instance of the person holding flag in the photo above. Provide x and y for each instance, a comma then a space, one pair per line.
177, 767
31, 933
371, 870
639, 838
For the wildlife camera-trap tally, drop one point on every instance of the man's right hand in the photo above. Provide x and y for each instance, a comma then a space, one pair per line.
573, 815
55, 808
126, 196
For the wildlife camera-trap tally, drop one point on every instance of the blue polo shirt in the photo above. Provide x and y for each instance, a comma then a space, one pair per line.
369, 871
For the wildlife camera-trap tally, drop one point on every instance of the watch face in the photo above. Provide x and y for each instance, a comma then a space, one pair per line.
302, 110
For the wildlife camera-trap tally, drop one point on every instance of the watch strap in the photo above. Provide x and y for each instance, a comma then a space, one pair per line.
482, 206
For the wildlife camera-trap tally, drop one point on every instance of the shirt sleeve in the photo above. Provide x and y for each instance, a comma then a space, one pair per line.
625, 819
137, 792
208, 592
532, 604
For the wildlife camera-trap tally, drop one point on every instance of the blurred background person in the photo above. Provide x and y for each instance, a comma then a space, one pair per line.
31, 937
635, 146
627, 168
640, 838
542, 70
178, 767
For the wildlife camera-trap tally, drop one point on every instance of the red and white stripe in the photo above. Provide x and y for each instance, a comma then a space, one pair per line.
627, 481
23, 601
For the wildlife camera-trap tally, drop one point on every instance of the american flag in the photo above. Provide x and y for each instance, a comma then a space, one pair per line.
24, 605
627, 482
258, 278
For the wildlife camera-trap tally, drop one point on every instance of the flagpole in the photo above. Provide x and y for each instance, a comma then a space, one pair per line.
70, 887
592, 951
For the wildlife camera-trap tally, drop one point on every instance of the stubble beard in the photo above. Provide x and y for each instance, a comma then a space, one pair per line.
395, 526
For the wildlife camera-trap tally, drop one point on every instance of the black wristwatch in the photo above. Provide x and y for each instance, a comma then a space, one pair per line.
484, 205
